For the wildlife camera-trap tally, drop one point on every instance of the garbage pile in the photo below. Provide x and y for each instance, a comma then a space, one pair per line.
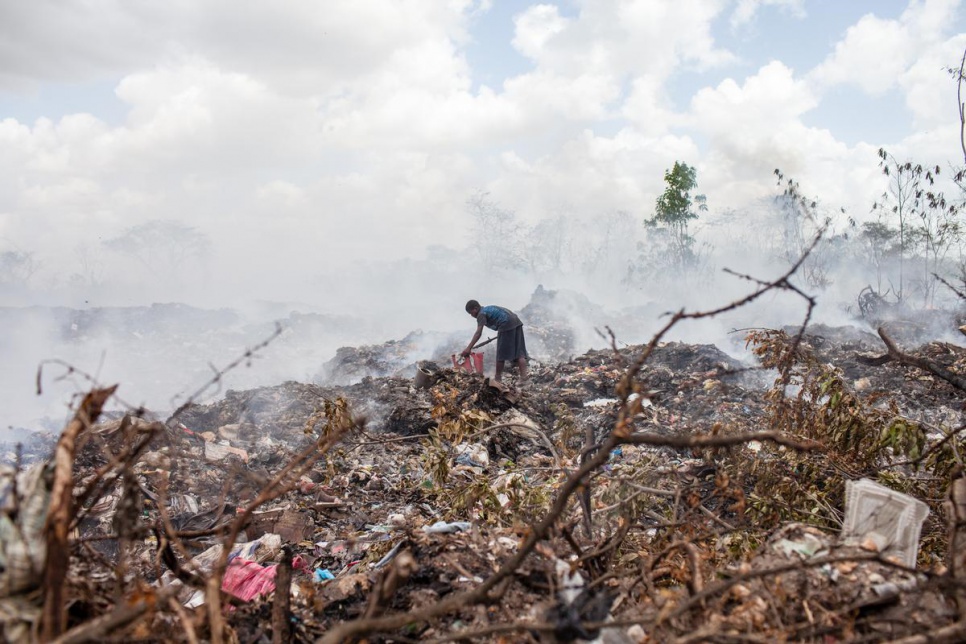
609, 499
391, 358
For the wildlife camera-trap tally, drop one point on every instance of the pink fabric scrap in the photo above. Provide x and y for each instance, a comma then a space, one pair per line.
247, 580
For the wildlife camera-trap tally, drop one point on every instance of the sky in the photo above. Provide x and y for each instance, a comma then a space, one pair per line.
301, 135
304, 142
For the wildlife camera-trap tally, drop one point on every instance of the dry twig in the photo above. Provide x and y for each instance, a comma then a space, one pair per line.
926, 365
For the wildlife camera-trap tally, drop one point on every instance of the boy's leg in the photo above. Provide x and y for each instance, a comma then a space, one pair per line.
499, 370
522, 364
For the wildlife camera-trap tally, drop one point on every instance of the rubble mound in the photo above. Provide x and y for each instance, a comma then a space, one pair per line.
391, 358
550, 317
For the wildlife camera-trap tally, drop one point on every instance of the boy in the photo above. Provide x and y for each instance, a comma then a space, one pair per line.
510, 343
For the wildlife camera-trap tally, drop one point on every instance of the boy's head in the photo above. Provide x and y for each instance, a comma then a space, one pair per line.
473, 307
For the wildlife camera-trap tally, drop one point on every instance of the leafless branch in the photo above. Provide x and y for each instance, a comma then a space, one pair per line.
926, 365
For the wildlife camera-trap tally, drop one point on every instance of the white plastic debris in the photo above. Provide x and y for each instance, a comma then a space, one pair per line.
569, 580
890, 519
265, 548
444, 527
600, 402
519, 420
805, 545
216, 452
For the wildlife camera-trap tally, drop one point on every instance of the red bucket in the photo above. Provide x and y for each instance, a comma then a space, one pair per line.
473, 364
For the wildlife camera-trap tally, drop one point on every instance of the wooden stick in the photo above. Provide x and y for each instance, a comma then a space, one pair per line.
955, 380
281, 611
61, 512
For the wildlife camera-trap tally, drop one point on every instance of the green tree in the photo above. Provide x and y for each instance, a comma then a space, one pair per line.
674, 209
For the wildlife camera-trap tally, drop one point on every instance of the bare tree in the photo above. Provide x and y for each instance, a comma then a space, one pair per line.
801, 223
17, 267
496, 233
548, 241
939, 230
162, 247
90, 267
879, 239
904, 197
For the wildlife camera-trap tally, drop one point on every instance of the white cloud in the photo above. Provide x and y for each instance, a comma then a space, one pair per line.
47, 40
872, 55
194, 116
929, 89
621, 37
765, 103
746, 10
291, 44
908, 53
535, 27
757, 127
576, 98
875, 52
648, 107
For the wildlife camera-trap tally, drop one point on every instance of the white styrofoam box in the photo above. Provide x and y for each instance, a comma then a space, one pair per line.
893, 520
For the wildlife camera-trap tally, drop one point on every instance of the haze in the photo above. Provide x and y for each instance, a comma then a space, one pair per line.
323, 158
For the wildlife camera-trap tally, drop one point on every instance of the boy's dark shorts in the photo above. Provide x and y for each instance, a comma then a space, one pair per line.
511, 345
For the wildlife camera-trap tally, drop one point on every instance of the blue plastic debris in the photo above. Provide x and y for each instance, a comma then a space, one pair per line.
322, 575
